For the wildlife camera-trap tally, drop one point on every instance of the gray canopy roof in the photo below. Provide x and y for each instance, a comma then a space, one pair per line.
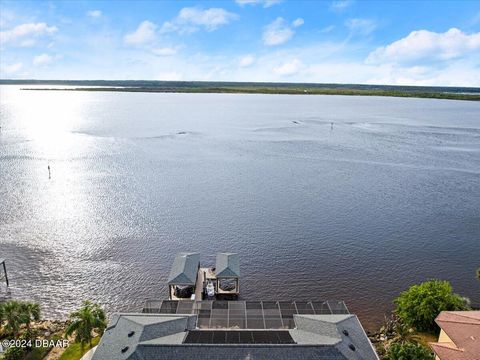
184, 269
228, 265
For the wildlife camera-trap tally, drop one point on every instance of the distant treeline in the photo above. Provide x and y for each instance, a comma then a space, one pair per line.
456, 93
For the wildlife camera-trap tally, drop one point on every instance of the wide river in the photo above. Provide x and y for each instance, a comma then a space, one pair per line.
387, 196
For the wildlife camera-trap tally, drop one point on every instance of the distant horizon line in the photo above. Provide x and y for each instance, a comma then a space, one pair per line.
3, 81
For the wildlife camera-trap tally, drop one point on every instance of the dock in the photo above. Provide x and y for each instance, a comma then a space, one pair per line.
188, 280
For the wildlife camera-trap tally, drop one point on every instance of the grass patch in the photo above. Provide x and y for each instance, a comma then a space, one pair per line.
424, 338
75, 351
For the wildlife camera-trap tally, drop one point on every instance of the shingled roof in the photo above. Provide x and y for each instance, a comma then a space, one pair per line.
228, 265
463, 328
164, 337
184, 269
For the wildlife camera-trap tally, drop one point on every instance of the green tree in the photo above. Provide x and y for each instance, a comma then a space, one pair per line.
478, 274
13, 317
405, 334
90, 317
30, 312
408, 351
17, 313
419, 305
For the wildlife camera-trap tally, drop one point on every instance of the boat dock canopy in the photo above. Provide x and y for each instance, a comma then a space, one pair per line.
228, 265
184, 269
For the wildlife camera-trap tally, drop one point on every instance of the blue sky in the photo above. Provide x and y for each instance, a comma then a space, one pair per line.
346, 41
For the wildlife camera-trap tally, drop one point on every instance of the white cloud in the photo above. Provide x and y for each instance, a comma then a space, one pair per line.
265, 3
327, 29
456, 74
424, 44
323, 62
191, 19
289, 68
12, 68
170, 76
94, 13
340, 5
246, 61
166, 51
43, 59
145, 33
361, 26
279, 32
298, 22
26, 43
25, 32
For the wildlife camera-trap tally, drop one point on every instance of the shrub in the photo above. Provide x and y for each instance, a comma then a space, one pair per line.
408, 351
14, 353
420, 304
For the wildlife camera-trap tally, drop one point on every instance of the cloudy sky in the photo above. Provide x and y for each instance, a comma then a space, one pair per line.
344, 41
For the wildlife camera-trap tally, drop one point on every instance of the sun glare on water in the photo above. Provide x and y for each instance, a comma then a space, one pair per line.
48, 121
47, 124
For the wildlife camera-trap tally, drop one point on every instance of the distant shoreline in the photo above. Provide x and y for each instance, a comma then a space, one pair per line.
277, 90
156, 86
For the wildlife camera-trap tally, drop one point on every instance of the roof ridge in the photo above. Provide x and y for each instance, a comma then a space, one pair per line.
477, 322
468, 314
176, 317
464, 314
446, 346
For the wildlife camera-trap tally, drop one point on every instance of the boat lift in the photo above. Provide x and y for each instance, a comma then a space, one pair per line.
189, 281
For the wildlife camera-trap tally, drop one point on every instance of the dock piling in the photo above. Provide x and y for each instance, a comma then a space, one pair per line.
5, 271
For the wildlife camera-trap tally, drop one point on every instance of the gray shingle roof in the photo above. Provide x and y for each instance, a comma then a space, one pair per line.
239, 352
127, 331
342, 330
228, 265
161, 336
184, 269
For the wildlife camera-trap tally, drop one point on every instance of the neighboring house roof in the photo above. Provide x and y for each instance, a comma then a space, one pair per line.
227, 265
184, 269
162, 336
463, 328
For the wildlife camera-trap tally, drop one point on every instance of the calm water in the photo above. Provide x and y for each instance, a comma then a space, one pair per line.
388, 198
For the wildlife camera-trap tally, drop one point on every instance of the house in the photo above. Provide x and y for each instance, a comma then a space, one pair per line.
459, 337
236, 330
